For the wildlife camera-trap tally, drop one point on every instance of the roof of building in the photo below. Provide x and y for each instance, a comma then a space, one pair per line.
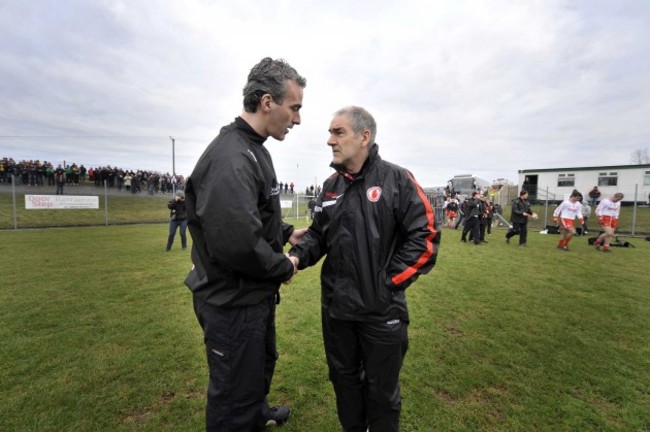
596, 168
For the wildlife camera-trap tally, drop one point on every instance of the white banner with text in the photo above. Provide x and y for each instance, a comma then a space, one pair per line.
57, 202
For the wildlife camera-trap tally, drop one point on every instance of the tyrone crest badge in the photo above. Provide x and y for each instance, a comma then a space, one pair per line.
373, 193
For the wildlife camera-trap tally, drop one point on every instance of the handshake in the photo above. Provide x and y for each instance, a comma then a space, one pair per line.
294, 260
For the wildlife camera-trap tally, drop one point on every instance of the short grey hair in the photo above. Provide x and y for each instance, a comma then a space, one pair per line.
360, 120
269, 77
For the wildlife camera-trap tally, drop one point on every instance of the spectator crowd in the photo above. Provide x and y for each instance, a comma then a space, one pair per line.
35, 173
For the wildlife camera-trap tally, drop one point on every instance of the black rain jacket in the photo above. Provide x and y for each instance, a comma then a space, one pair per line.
379, 234
235, 220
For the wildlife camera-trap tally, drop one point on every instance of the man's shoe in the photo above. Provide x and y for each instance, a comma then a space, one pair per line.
463, 240
277, 415
522, 245
565, 248
507, 240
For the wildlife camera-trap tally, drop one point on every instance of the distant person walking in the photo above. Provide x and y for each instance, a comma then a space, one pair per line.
177, 219
521, 211
608, 211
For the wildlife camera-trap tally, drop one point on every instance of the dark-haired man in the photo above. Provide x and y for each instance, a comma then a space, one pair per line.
235, 219
521, 211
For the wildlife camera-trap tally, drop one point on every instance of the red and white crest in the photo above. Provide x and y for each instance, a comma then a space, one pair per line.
373, 193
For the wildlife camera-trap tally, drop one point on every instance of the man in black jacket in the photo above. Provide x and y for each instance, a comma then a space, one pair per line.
377, 228
472, 221
521, 211
235, 219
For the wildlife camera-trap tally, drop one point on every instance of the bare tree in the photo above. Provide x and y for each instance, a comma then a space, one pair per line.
640, 156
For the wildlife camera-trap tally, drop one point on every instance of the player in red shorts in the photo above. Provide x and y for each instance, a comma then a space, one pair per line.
566, 213
607, 212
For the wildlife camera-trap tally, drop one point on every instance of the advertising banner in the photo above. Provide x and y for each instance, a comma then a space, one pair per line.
58, 202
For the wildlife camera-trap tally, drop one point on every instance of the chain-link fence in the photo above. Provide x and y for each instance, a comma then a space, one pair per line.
113, 205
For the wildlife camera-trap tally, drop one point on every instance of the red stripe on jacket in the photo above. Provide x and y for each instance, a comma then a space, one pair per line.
426, 255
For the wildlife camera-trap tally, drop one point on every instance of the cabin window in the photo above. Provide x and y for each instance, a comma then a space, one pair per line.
646, 178
607, 179
566, 180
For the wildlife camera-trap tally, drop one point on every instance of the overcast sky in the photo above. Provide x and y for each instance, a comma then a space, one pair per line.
456, 86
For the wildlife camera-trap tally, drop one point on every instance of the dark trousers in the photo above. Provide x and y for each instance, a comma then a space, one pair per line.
240, 347
518, 228
364, 361
173, 226
472, 226
483, 225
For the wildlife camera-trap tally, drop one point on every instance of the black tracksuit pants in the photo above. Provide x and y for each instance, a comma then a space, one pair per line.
519, 228
473, 225
241, 352
364, 360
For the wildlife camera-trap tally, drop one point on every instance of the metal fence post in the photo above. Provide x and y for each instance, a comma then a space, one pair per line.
636, 193
105, 204
13, 197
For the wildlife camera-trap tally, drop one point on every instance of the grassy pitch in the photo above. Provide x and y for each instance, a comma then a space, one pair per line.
98, 334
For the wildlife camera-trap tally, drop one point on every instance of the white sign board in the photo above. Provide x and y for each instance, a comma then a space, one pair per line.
55, 202
286, 203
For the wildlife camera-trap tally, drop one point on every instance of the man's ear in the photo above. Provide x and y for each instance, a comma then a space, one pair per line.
365, 138
265, 102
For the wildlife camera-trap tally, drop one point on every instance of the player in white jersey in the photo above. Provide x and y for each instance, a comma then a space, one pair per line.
607, 212
566, 214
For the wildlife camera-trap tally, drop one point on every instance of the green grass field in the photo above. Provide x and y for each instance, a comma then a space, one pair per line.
98, 334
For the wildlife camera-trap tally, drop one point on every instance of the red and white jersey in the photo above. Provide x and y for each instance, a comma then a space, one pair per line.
568, 210
608, 208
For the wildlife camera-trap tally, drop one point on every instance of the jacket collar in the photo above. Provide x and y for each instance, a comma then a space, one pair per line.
241, 125
372, 159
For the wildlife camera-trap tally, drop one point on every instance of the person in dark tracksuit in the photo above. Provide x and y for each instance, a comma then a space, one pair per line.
177, 220
521, 211
377, 230
235, 220
472, 220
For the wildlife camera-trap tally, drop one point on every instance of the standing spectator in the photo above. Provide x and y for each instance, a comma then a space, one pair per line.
566, 214
127, 181
521, 211
594, 196
177, 219
586, 213
377, 230
451, 211
235, 220
59, 177
608, 211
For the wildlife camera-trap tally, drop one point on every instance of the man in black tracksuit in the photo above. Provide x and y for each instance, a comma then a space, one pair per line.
472, 219
377, 230
235, 219
521, 211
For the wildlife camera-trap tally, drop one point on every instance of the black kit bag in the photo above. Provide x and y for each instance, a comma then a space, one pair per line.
552, 229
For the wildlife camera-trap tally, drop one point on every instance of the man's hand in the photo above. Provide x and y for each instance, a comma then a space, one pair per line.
295, 261
296, 236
